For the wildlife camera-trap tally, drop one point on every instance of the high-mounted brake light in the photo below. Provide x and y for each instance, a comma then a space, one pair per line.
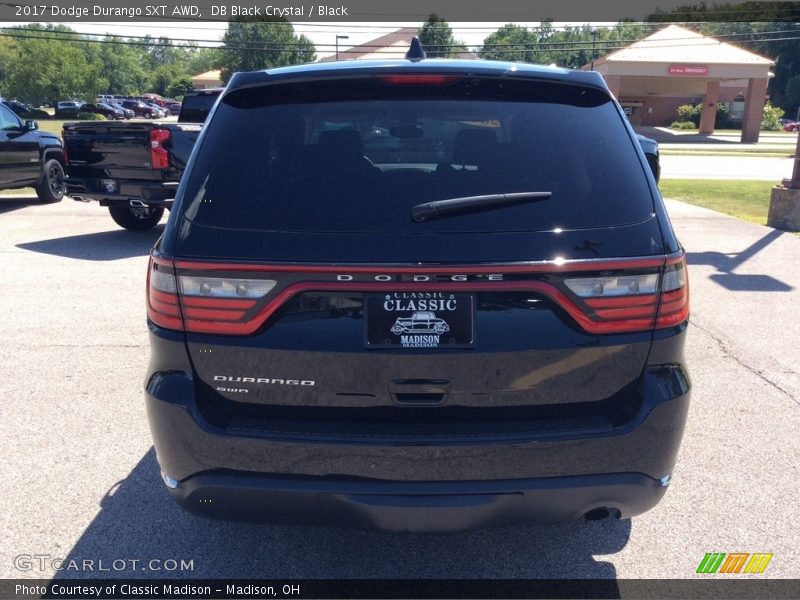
159, 157
416, 79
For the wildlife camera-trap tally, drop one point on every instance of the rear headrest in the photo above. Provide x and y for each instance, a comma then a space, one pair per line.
473, 146
341, 141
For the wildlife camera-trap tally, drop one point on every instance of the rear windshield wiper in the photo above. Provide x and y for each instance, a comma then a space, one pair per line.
452, 206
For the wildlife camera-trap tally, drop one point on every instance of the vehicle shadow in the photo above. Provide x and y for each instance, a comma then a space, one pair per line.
103, 245
12, 203
138, 520
726, 263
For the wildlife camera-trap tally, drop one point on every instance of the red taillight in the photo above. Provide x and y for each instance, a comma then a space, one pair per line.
203, 303
221, 304
159, 157
412, 79
674, 307
633, 301
162, 295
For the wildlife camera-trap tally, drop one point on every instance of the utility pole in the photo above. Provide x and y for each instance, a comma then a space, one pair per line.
340, 37
594, 40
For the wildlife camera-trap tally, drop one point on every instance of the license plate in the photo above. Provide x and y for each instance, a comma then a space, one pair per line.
419, 320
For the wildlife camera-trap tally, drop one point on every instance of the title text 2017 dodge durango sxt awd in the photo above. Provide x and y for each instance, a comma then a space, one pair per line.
417, 295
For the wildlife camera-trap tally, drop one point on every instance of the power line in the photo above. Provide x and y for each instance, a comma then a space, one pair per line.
253, 45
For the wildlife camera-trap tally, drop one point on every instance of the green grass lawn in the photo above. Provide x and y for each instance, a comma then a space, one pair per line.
54, 125
748, 200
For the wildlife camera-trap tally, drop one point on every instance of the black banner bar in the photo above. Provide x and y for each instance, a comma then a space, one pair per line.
713, 587
502, 11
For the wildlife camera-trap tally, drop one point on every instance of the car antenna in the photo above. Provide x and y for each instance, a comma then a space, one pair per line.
415, 51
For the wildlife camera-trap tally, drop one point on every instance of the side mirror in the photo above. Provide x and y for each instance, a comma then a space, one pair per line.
31, 125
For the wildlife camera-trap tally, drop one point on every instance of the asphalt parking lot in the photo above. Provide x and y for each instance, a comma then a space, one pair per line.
79, 480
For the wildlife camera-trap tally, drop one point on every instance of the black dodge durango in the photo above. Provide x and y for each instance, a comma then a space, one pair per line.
417, 295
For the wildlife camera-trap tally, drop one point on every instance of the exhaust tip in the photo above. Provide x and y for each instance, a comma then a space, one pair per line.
599, 514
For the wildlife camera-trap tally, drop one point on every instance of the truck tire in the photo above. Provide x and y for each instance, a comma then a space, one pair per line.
134, 218
52, 186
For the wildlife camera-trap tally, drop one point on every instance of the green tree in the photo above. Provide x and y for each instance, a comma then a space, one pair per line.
250, 45
771, 119
201, 60
164, 76
163, 53
52, 69
180, 87
511, 42
120, 66
791, 95
437, 37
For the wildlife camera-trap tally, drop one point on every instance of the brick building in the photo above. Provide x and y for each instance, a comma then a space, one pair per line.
675, 66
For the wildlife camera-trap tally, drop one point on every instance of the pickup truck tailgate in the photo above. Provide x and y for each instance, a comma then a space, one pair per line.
117, 146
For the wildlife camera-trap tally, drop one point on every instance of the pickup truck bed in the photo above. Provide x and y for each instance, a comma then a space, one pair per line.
117, 158
133, 168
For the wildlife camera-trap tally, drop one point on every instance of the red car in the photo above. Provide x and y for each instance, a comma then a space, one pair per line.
791, 126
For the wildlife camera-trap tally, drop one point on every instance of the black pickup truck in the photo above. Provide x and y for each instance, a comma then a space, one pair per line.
134, 168
29, 157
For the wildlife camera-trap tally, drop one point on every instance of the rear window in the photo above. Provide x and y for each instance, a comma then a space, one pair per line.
195, 107
357, 155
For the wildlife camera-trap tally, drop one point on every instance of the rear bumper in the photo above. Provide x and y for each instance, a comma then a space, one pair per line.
149, 192
418, 506
442, 484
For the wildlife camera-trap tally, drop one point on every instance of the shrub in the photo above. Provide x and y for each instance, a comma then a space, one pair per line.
689, 112
771, 119
723, 120
683, 125
85, 116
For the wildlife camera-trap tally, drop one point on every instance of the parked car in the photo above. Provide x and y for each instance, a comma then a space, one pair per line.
128, 113
791, 126
26, 111
140, 109
69, 104
19, 108
68, 109
158, 112
30, 158
104, 109
174, 107
517, 207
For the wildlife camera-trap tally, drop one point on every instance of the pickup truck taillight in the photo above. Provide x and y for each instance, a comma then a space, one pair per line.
159, 157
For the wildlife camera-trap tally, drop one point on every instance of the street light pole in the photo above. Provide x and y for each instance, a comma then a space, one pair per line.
340, 37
